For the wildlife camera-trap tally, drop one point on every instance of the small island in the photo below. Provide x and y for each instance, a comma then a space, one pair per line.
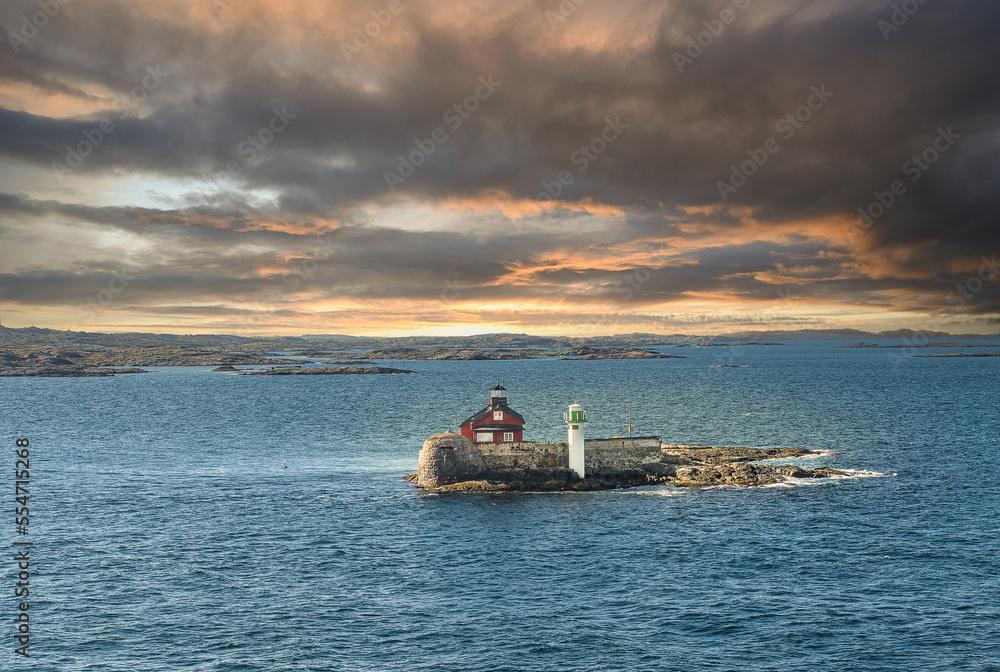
450, 462
326, 371
718, 344
489, 454
964, 354
862, 344
612, 353
53, 362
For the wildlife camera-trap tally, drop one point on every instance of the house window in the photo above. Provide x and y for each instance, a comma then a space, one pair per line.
508, 436
498, 415
484, 437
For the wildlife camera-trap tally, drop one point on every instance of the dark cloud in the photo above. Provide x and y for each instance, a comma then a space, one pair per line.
344, 123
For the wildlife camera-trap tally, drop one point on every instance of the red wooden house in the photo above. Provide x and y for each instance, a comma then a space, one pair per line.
496, 423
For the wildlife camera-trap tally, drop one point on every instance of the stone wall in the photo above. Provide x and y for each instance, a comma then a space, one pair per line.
450, 458
527, 455
604, 455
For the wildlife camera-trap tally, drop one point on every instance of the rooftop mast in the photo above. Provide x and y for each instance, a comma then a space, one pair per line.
630, 413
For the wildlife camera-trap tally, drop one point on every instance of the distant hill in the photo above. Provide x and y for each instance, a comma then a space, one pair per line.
35, 336
840, 334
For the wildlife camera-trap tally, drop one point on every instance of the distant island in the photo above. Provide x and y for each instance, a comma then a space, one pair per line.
97, 360
63, 363
715, 344
58, 363
964, 354
862, 344
327, 371
474, 354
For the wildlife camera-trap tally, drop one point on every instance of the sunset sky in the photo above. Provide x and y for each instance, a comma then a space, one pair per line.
576, 167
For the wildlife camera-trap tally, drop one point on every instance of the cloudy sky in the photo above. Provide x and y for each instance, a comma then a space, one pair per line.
574, 167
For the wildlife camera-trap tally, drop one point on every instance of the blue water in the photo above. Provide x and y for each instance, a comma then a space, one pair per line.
169, 534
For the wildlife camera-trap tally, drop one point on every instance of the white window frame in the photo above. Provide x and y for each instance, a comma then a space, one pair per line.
498, 415
484, 437
508, 437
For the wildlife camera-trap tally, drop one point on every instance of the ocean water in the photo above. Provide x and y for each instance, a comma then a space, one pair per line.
189, 520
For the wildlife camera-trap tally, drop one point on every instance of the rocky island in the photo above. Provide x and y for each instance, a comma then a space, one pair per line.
54, 363
612, 353
442, 354
98, 361
964, 354
862, 344
715, 344
488, 453
326, 371
449, 462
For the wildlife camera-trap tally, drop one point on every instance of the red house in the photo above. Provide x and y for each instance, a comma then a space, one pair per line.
496, 423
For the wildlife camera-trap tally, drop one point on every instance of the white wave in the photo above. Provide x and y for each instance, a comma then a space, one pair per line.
848, 475
658, 492
863, 473
816, 455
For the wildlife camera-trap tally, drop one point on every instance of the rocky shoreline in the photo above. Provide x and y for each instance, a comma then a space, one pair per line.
680, 465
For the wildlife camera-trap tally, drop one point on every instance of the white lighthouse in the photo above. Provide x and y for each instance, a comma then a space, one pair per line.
575, 418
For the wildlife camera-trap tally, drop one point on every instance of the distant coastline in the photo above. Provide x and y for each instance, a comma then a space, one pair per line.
97, 361
964, 354
862, 344
37, 352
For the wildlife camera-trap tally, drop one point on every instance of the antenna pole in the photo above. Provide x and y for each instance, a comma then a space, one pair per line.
630, 413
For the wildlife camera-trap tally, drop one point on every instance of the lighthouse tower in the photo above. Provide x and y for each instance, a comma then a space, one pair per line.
575, 418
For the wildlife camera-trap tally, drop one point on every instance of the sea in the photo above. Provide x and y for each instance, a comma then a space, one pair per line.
192, 520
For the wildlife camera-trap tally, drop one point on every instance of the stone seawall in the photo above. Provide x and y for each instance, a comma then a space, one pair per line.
451, 458
528, 455
451, 461
599, 454
606, 456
